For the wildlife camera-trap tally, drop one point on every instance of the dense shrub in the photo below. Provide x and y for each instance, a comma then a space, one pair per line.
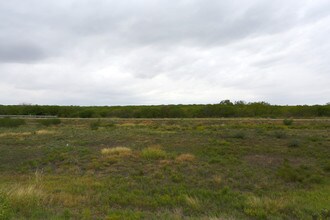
224, 108
10, 122
86, 114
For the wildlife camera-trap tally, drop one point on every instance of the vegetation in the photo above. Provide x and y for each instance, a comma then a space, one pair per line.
49, 122
116, 151
166, 169
9, 122
95, 125
223, 109
153, 153
287, 122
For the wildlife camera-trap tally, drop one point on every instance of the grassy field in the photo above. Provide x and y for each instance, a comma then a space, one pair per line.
165, 169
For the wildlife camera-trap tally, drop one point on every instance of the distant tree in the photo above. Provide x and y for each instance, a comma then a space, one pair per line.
226, 102
259, 103
224, 109
25, 103
240, 102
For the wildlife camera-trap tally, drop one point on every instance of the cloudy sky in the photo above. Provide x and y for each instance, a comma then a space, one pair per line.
109, 52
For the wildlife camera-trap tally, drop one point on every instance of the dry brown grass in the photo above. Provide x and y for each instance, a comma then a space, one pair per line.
127, 125
121, 151
192, 202
23, 134
70, 200
165, 162
266, 204
217, 179
41, 132
217, 218
185, 158
21, 192
24, 195
15, 134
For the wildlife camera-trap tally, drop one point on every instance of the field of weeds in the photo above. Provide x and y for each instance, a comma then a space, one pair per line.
165, 169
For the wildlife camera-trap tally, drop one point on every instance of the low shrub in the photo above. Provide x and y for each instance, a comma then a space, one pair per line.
49, 122
287, 122
294, 143
11, 122
153, 153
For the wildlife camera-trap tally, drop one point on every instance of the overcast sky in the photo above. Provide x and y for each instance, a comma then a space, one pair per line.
109, 52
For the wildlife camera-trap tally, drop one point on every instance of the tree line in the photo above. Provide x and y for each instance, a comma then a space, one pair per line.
225, 108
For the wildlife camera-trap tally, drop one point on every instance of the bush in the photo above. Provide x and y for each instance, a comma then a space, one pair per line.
294, 143
49, 122
9, 122
153, 153
287, 122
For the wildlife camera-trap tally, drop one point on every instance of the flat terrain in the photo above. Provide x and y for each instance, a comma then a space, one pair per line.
165, 169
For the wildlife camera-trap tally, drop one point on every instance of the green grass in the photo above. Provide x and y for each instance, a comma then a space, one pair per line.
153, 153
11, 122
49, 122
165, 169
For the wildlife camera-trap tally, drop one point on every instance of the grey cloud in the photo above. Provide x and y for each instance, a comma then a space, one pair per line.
158, 22
20, 53
159, 51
